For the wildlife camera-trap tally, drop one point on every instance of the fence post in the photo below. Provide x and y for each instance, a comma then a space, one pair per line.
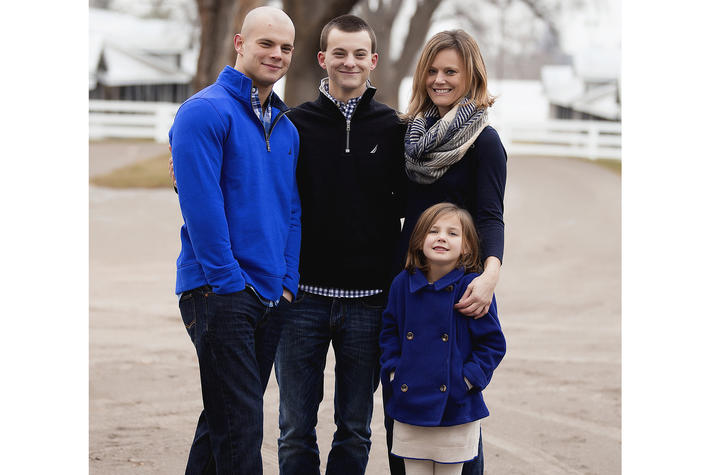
593, 133
163, 121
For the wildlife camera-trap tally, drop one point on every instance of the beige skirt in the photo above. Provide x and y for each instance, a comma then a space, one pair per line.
450, 444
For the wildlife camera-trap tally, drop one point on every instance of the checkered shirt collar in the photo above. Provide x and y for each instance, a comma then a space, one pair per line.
347, 108
264, 116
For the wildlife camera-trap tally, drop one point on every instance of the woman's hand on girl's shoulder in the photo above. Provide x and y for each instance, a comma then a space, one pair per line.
475, 301
477, 298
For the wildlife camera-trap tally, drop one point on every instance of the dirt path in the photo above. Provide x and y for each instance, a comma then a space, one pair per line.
554, 401
107, 155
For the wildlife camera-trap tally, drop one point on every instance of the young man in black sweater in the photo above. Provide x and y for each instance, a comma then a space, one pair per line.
349, 174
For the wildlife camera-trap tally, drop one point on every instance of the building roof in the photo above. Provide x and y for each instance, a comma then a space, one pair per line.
598, 64
125, 50
146, 34
591, 85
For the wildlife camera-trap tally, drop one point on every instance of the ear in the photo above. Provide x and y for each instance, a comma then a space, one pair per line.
374, 61
321, 56
239, 44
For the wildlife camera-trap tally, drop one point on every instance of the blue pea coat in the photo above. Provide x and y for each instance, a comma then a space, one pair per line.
432, 347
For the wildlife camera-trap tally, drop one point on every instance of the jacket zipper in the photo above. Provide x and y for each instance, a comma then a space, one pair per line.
348, 132
267, 135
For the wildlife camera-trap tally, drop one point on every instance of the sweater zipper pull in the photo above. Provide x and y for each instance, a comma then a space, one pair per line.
267, 135
348, 130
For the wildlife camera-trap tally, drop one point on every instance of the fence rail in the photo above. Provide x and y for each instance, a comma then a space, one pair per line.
563, 138
131, 119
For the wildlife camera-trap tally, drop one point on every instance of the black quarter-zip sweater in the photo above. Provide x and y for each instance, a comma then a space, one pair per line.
350, 175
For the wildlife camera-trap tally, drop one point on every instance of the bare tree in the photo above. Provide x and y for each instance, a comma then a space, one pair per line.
219, 21
388, 75
309, 17
103, 4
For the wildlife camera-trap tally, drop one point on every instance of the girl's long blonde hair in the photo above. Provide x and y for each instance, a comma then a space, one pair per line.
473, 64
470, 257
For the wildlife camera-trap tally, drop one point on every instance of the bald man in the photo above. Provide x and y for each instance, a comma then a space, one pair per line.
234, 157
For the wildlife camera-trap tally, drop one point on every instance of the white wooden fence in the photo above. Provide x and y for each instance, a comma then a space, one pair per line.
563, 138
131, 119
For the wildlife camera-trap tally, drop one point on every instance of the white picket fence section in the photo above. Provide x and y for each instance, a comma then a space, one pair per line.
131, 119
564, 138
557, 138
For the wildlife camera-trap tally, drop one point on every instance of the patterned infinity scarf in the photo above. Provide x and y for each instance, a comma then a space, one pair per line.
430, 153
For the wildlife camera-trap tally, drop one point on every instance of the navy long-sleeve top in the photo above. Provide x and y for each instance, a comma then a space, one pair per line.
476, 183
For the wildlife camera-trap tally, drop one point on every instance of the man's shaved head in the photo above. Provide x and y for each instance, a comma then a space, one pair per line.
265, 17
264, 47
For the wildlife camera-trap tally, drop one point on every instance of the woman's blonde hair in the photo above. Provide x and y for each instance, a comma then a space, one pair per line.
470, 254
473, 64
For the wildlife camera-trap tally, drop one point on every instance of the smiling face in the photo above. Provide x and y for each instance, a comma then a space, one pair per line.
446, 80
348, 61
264, 48
443, 243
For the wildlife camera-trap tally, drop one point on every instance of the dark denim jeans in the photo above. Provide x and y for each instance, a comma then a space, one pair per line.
311, 323
397, 467
235, 336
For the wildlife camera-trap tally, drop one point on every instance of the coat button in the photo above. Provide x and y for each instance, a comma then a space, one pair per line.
444, 337
409, 336
443, 388
404, 388
449, 288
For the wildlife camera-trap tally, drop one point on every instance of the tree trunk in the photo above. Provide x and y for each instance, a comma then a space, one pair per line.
309, 18
390, 72
219, 20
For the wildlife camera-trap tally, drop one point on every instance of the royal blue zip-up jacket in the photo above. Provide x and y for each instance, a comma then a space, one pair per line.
432, 347
237, 192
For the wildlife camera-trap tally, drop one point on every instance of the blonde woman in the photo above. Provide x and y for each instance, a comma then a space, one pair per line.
454, 155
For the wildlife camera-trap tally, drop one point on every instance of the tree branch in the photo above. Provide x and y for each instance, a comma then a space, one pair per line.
418, 28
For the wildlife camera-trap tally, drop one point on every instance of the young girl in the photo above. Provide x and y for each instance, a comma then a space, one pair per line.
435, 361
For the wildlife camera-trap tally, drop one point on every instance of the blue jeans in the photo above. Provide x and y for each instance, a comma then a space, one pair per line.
235, 336
311, 323
397, 467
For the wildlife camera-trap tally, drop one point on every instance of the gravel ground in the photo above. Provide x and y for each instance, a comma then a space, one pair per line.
554, 401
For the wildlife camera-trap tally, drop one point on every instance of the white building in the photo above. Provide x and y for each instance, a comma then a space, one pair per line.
587, 90
140, 59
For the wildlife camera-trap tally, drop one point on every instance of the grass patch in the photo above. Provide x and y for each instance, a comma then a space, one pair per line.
154, 173
150, 173
614, 165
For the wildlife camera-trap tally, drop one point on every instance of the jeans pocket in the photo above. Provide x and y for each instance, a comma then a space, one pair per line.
374, 302
300, 295
188, 311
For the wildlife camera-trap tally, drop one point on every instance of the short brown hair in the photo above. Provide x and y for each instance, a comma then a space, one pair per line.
476, 74
349, 24
470, 254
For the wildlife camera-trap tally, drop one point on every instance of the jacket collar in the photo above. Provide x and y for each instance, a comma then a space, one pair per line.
417, 280
239, 86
